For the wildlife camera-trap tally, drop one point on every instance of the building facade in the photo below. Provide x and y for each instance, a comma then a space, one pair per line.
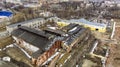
38, 44
34, 23
94, 26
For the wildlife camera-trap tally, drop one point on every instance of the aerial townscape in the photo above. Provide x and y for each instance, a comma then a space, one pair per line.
59, 33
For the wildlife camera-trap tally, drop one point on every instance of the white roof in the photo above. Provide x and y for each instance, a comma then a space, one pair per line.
86, 22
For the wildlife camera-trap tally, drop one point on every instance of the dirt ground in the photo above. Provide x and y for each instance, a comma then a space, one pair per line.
114, 58
116, 62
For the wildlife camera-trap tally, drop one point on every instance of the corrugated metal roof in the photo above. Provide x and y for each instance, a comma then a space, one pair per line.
40, 33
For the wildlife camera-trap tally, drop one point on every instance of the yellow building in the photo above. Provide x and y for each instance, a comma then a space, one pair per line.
62, 24
100, 27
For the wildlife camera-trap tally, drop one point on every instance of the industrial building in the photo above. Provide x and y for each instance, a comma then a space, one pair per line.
34, 23
43, 46
59, 33
39, 44
100, 27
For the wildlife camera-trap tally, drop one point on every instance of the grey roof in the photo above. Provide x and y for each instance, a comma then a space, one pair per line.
40, 33
55, 32
69, 27
33, 37
37, 54
25, 22
75, 34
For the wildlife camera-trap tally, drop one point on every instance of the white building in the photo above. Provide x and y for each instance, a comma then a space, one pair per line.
21, 2
14, 1
34, 23
32, 5
64, 0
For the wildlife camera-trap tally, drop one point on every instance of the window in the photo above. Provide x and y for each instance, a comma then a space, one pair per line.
97, 29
